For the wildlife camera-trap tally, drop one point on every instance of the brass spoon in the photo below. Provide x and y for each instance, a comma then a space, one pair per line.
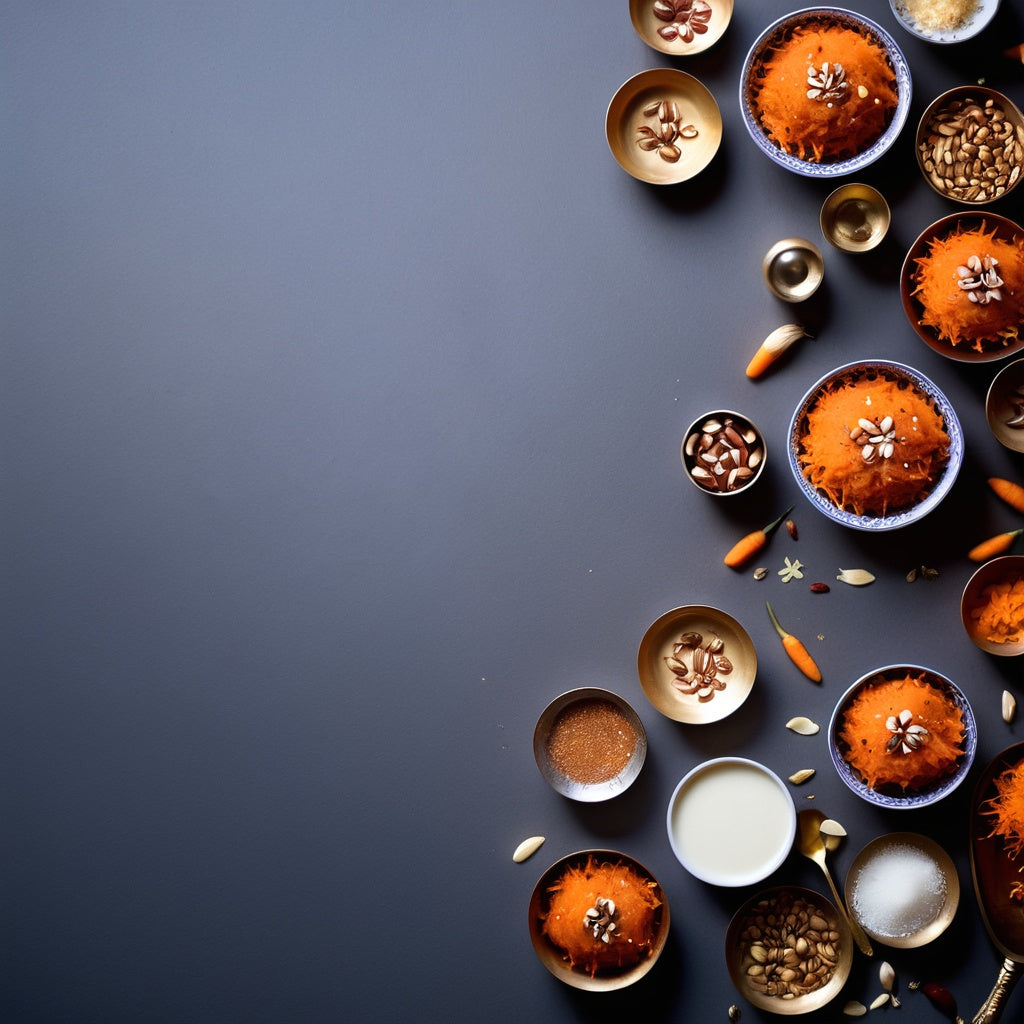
812, 846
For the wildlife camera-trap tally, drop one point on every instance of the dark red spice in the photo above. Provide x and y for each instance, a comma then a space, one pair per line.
941, 998
819, 588
591, 741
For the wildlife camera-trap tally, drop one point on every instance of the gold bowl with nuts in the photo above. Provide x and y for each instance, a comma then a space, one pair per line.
696, 664
663, 126
680, 27
788, 950
722, 452
970, 145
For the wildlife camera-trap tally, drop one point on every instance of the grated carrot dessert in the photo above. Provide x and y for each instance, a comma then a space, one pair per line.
873, 443
970, 286
998, 616
602, 915
825, 92
902, 733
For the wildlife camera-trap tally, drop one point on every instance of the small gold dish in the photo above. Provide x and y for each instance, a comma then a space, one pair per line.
1005, 569
1004, 406
680, 27
903, 925
555, 959
970, 145
663, 126
744, 963
855, 218
793, 269
686, 637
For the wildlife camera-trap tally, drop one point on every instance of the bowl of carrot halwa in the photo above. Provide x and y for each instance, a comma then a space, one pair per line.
992, 606
824, 92
875, 445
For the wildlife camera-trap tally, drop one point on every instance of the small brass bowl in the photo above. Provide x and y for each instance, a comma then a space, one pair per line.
1004, 406
739, 960
1007, 568
629, 127
983, 14
691, 31
555, 960
976, 175
662, 683
793, 269
723, 453
866, 863
855, 218
574, 789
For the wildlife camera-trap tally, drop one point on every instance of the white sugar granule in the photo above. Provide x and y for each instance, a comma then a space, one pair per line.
898, 891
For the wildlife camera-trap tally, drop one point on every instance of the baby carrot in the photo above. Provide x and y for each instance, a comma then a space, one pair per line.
744, 549
1011, 493
993, 546
796, 650
772, 347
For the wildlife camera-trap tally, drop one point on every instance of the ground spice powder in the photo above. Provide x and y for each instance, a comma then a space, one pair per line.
591, 741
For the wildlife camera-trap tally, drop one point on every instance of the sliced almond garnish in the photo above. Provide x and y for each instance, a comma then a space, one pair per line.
803, 726
527, 848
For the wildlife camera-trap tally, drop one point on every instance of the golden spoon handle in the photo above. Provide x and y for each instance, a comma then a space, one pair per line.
863, 943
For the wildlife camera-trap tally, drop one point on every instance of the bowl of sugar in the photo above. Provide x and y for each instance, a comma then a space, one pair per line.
903, 889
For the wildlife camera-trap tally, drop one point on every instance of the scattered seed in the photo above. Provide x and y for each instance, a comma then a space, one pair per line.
760, 573
734, 1013
912, 575
1009, 706
798, 778
791, 527
802, 726
855, 577
527, 848
854, 1009
820, 588
880, 1001
886, 975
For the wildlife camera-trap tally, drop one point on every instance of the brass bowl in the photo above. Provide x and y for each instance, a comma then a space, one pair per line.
659, 680
855, 218
860, 873
739, 960
972, 157
627, 122
998, 570
968, 220
979, 19
691, 34
572, 788
734, 453
793, 269
554, 959
1004, 404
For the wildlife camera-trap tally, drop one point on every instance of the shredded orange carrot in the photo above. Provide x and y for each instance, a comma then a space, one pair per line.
1007, 808
577, 891
946, 305
877, 751
850, 111
839, 457
999, 613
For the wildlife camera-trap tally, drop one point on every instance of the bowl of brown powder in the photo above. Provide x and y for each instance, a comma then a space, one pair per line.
589, 744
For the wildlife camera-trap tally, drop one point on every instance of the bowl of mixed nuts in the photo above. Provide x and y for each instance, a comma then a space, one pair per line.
788, 950
696, 664
723, 452
970, 145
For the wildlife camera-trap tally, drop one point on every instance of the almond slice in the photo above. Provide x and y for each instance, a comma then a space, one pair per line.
527, 848
803, 726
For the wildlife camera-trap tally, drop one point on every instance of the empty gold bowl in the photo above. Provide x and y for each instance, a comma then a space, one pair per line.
855, 218
793, 269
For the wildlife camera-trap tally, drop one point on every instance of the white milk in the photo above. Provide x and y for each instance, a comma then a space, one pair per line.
731, 822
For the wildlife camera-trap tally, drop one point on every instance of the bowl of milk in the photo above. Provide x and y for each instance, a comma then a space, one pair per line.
731, 821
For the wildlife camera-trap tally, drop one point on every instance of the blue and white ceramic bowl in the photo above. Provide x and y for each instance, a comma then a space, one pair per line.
904, 516
921, 798
847, 19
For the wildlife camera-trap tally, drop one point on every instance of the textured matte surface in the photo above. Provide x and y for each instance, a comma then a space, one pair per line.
344, 376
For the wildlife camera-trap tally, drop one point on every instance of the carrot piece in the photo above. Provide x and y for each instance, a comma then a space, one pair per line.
1012, 493
761, 361
744, 549
798, 654
773, 346
993, 546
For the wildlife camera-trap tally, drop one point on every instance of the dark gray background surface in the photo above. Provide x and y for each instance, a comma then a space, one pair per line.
344, 377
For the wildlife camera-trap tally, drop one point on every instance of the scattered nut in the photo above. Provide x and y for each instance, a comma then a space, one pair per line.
760, 573
1009, 707
854, 1009
803, 726
800, 777
527, 848
855, 577
831, 827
